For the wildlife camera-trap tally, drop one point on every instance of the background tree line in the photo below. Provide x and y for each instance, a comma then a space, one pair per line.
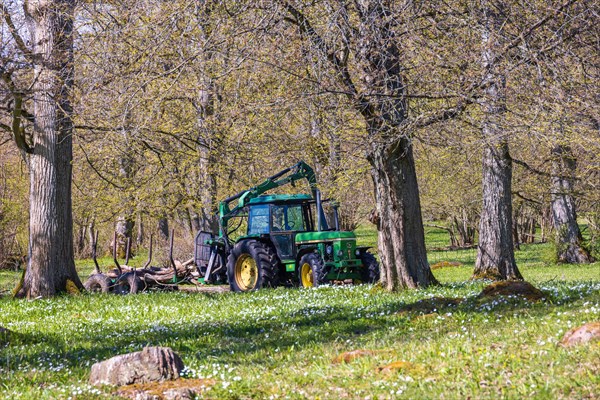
492, 106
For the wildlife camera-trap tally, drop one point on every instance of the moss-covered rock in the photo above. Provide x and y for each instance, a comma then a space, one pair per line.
512, 288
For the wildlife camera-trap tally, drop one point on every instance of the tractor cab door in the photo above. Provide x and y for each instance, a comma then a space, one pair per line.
286, 221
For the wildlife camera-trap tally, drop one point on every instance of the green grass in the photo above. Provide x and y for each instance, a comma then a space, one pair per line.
280, 343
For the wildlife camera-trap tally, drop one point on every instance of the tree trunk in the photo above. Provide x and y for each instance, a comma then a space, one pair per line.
139, 238
383, 103
545, 223
163, 229
400, 226
495, 255
569, 247
81, 234
92, 237
51, 261
203, 215
400, 231
124, 230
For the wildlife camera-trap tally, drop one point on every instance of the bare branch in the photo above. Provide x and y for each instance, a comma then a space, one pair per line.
530, 168
300, 20
13, 31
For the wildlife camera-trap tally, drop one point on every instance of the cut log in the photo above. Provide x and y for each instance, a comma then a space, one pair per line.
163, 276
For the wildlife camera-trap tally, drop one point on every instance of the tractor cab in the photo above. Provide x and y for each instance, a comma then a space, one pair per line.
279, 218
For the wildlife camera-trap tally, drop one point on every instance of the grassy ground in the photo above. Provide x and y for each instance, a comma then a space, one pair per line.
281, 343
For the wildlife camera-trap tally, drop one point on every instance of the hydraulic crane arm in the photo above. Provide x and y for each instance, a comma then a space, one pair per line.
295, 173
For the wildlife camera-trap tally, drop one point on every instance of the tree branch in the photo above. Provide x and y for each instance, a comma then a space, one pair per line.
530, 168
87, 159
300, 20
518, 194
13, 31
17, 129
524, 35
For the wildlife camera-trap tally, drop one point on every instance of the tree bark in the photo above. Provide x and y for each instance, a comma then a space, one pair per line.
569, 246
81, 234
51, 261
401, 236
495, 255
163, 229
124, 230
204, 216
382, 102
91, 237
139, 239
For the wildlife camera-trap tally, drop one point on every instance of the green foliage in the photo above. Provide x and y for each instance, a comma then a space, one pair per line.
13, 209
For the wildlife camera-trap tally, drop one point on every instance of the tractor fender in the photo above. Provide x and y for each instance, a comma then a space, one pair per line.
303, 251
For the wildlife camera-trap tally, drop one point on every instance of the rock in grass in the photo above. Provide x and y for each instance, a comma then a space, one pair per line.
182, 389
350, 356
152, 364
445, 264
587, 333
507, 288
397, 366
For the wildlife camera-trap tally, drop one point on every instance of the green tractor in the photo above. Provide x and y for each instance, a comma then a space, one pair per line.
267, 240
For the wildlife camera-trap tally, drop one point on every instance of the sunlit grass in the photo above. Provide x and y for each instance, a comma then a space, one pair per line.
280, 343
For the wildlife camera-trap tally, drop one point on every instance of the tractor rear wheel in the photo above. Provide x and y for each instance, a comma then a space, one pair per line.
97, 283
252, 265
311, 271
370, 271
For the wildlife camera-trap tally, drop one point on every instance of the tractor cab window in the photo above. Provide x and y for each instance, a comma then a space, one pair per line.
288, 218
258, 220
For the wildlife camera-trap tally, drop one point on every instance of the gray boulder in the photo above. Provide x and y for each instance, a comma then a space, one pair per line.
152, 364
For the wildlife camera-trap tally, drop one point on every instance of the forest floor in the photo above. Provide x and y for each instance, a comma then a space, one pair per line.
441, 342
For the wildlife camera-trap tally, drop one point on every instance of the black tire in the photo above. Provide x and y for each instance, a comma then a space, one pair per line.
370, 271
252, 265
97, 283
311, 271
128, 283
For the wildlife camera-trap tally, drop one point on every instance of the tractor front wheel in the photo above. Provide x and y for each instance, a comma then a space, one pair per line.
252, 265
370, 271
311, 271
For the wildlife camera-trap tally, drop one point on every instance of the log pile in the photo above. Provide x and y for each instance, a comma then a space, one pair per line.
186, 271
125, 279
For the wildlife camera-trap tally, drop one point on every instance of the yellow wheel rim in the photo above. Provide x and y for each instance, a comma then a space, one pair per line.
246, 272
306, 275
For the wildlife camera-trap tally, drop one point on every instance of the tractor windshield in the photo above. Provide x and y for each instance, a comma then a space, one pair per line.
288, 218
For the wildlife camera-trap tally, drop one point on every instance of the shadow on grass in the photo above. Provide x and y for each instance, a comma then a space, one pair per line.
257, 341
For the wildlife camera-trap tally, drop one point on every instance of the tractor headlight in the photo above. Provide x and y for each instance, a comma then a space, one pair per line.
340, 253
329, 249
357, 253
